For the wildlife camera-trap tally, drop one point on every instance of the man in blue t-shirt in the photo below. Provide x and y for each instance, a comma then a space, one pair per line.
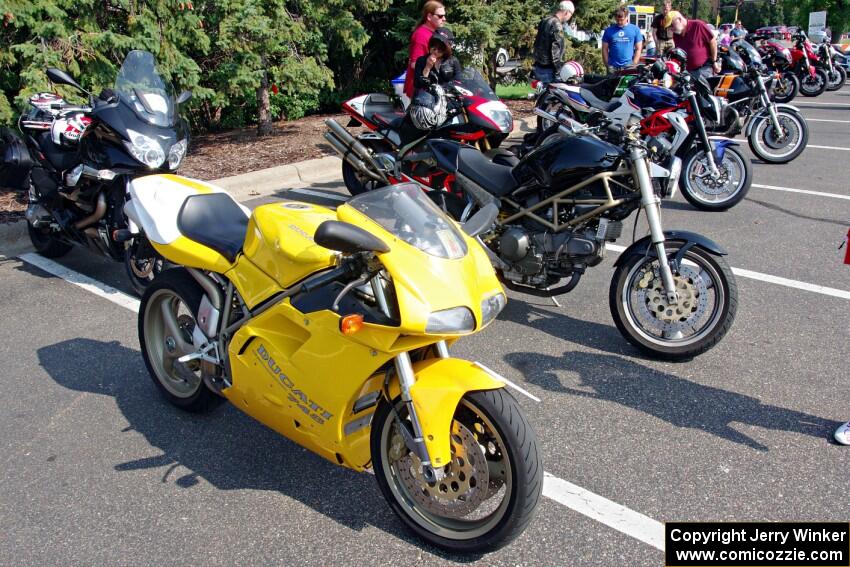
622, 42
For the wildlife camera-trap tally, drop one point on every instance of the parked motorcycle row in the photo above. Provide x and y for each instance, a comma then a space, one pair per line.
245, 305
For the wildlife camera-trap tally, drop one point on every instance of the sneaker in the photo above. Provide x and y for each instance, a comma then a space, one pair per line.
842, 434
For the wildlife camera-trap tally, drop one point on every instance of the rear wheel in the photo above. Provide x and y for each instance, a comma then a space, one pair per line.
167, 318
715, 192
783, 146
357, 182
814, 86
491, 487
46, 242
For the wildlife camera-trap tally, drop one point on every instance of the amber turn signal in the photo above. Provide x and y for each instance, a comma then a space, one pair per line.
350, 324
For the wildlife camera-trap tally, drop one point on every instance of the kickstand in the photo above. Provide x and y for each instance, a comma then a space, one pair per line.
554, 299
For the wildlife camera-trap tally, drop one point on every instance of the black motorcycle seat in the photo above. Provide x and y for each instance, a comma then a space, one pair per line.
495, 178
216, 221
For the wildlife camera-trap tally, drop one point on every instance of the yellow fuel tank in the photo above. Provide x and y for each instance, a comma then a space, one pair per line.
280, 241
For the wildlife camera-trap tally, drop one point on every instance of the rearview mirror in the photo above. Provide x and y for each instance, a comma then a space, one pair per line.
184, 97
60, 77
347, 238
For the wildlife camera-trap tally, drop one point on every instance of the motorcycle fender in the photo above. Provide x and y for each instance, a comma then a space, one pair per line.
643, 247
719, 145
440, 385
763, 113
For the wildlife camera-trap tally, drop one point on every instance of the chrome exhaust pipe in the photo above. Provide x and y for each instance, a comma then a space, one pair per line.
350, 141
347, 154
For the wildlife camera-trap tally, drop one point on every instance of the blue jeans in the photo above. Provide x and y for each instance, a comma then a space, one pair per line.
544, 74
705, 71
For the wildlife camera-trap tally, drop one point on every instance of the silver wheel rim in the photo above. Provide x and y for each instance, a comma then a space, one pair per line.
765, 136
498, 477
711, 191
704, 292
166, 313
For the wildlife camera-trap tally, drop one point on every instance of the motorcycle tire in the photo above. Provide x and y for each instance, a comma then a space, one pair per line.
550, 104
494, 455
46, 244
142, 264
356, 182
836, 78
767, 147
182, 384
710, 195
814, 86
708, 301
787, 88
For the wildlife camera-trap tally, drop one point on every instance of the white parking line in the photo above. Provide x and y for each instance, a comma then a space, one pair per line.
836, 105
604, 511
803, 191
89, 284
592, 505
825, 120
828, 148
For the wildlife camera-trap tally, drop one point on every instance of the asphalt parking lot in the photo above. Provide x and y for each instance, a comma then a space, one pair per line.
98, 469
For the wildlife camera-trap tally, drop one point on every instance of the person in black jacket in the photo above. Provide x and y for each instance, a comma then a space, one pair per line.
549, 43
439, 66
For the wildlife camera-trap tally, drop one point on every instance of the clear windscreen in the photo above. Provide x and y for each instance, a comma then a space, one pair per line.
141, 86
472, 81
407, 213
752, 55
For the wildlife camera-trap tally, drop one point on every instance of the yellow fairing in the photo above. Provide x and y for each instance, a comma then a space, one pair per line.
191, 254
280, 241
421, 280
440, 384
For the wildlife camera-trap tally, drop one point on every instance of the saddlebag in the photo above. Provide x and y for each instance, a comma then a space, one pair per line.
15, 161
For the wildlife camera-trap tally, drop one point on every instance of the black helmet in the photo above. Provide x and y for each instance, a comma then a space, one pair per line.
445, 36
678, 55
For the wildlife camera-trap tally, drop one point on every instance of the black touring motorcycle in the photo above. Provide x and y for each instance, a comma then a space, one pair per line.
78, 160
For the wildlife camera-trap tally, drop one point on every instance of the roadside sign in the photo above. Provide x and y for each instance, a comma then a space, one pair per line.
817, 22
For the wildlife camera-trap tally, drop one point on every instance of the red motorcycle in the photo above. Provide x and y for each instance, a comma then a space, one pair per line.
778, 60
808, 67
393, 149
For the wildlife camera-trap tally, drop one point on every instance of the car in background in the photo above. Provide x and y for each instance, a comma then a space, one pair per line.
502, 57
775, 32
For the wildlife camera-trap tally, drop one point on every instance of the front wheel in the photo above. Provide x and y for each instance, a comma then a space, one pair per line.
814, 86
707, 302
142, 264
837, 77
783, 146
718, 192
491, 487
786, 88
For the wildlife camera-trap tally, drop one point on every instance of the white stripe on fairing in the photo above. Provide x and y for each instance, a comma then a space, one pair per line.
89, 284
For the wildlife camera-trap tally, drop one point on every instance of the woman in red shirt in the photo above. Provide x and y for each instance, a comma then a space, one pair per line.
433, 17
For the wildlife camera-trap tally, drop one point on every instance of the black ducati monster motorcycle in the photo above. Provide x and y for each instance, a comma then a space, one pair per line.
81, 159
672, 294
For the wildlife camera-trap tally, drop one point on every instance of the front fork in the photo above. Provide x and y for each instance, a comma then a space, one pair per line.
415, 442
771, 107
651, 205
703, 135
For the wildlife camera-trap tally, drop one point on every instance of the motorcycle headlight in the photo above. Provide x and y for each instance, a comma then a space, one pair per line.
177, 153
449, 321
492, 306
499, 114
145, 149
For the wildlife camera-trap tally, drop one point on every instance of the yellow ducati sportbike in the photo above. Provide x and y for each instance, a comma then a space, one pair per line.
333, 329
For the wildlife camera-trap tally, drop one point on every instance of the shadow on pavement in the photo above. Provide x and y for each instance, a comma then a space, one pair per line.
771, 206
228, 449
677, 401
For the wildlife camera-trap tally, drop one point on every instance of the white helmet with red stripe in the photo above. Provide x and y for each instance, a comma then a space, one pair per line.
571, 71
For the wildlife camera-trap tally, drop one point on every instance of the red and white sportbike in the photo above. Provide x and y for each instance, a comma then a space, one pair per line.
393, 150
